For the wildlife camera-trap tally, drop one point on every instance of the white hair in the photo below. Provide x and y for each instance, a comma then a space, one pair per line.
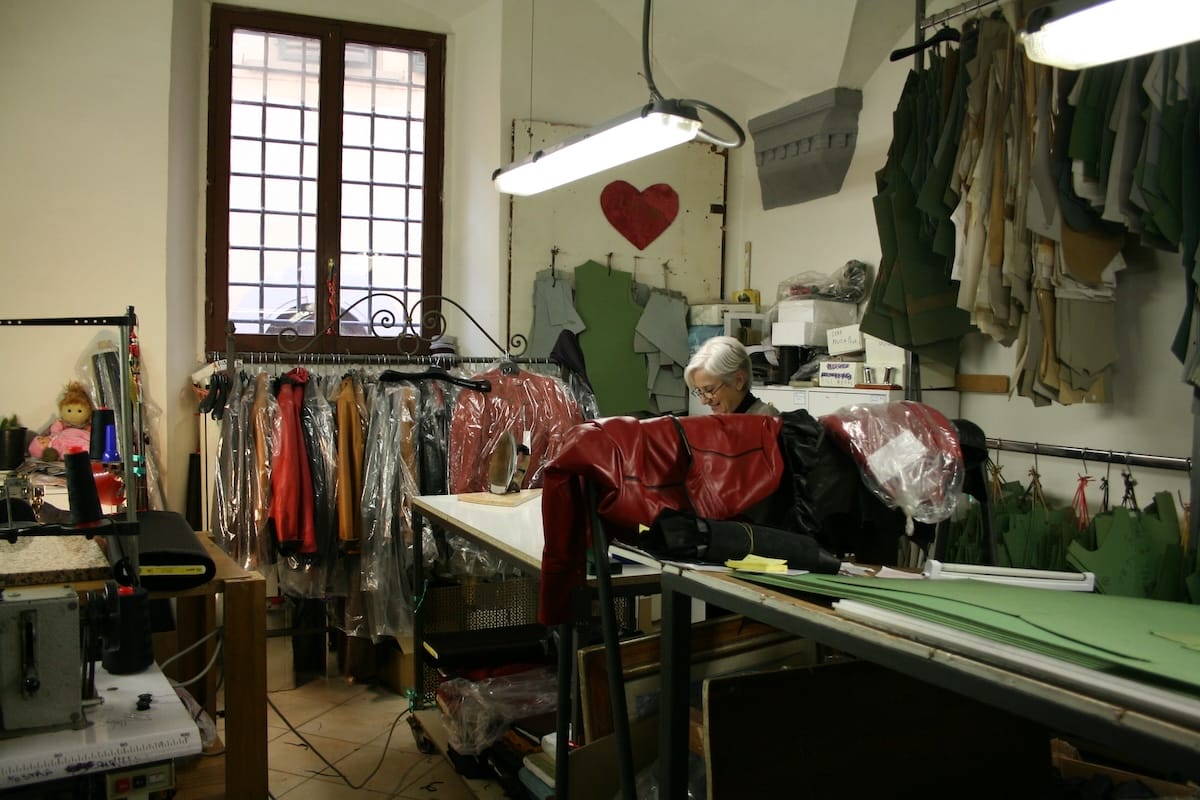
722, 356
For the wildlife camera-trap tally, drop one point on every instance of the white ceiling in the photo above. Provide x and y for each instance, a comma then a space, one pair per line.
752, 56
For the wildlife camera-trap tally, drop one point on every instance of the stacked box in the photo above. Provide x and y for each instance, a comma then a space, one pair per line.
829, 313
845, 339
840, 373
714, 313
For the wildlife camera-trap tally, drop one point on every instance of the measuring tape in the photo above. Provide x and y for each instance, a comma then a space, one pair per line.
100, 758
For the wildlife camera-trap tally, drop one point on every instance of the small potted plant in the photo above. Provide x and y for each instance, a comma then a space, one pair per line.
12, 442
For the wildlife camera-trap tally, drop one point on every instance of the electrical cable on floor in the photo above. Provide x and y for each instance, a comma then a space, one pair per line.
328, 763
216, 654
214, 632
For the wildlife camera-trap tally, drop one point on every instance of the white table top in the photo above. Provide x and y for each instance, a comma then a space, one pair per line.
514, 531
118, 735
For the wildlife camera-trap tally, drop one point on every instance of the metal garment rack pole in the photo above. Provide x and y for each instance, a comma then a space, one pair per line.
367, 360
960, 10
1091, 454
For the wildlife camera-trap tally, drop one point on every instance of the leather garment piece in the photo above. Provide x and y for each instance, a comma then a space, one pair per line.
640, 468
291, 475
519, 402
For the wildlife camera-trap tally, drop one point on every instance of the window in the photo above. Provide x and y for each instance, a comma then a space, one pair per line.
325, 171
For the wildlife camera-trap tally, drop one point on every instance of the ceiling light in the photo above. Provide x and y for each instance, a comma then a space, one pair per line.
1072, 34
655, 126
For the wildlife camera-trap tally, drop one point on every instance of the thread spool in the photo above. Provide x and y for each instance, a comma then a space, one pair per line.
81, 489
103, 442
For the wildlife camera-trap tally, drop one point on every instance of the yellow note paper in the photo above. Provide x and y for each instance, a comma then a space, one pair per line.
753, 563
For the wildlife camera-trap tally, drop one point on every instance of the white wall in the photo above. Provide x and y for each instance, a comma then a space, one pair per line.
84, 165
476, 217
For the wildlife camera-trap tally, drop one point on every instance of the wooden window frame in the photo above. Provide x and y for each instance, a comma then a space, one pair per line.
334, 35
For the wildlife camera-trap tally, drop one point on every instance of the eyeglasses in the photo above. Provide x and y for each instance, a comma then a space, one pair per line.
707, 392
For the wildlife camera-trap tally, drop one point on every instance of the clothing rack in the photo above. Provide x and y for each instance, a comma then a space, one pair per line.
1091, 454
923, 23
951, 13
376, 359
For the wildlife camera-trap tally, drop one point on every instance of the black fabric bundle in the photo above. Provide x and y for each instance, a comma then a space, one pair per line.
170, 555
684, 537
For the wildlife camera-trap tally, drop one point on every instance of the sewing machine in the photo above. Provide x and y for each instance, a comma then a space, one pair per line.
66, 723
39, 640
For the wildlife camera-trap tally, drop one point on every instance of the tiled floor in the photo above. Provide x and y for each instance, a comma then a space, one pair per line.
348, 724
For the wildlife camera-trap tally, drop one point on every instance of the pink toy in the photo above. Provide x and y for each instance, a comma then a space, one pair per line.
69, 433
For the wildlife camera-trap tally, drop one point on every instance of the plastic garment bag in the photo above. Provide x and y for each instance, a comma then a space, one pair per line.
262, 418
908, 454
309, 575
388, 488
227, 497
520, 402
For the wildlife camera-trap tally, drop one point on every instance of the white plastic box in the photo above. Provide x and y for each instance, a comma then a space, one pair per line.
798, 333
829, 313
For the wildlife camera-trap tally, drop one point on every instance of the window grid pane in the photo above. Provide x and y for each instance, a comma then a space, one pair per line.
384, 100
284, 226
273, 168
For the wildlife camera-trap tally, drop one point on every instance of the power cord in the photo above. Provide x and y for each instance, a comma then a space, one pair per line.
217, 631
328, 763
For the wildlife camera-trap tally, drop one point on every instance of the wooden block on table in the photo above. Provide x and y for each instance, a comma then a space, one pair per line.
508, 500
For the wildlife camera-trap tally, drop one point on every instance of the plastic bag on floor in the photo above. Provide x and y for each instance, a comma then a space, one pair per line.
477, 713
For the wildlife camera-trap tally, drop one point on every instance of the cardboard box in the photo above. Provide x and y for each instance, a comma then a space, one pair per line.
799, 333
840, 373
830, 313
845, 339
714, 313
881, 353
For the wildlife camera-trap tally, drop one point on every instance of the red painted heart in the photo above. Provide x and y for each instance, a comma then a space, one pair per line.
640, 217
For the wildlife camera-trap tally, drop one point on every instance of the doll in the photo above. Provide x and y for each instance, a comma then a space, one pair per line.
69, 433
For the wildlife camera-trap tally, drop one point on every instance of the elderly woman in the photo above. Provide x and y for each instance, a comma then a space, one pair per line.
719, 374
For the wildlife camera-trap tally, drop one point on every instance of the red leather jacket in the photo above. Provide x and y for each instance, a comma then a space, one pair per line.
639, 468
291, 477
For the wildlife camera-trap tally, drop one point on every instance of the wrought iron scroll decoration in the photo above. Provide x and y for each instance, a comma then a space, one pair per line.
414, 327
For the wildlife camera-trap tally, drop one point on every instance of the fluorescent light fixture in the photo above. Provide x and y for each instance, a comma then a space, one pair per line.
654, 127
1073, 35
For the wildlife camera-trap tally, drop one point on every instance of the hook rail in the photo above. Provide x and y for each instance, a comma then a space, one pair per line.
1091, 454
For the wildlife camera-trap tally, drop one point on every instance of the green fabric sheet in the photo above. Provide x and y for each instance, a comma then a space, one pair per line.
1148, 640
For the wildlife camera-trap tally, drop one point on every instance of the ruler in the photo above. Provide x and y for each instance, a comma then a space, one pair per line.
117, 735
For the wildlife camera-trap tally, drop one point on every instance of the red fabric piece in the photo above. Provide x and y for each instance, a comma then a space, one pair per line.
638, 469
640, 217
519, 402
291, 476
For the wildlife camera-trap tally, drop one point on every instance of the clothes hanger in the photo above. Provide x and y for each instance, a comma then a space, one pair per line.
435, 374
943, 35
